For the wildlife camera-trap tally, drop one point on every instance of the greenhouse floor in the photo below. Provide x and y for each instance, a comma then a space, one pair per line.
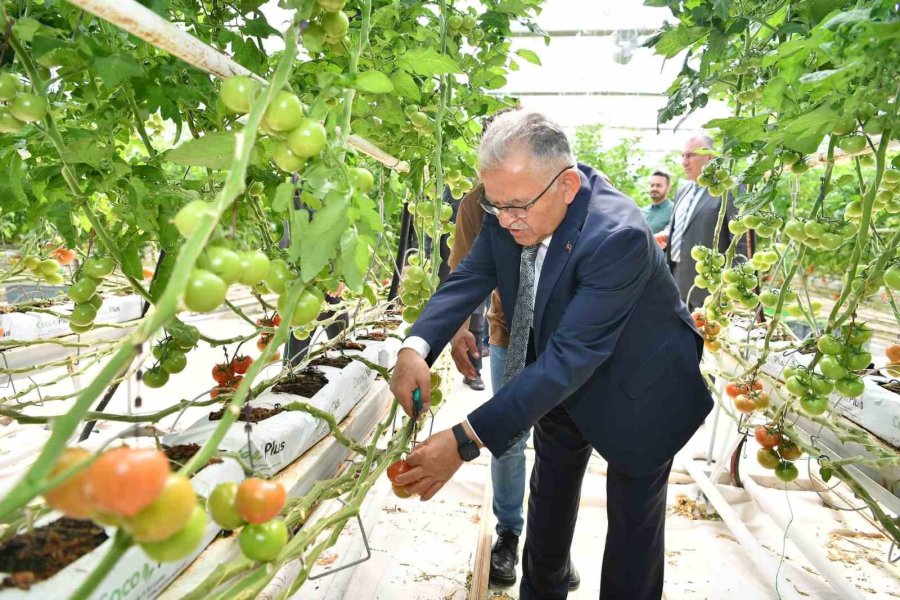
428, 550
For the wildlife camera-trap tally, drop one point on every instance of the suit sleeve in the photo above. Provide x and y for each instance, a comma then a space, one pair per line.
466, 287
610, 283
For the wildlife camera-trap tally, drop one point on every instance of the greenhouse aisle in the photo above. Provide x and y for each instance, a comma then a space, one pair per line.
427, 550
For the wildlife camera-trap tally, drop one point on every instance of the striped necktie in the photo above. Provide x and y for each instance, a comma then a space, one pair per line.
683, 213
523, 315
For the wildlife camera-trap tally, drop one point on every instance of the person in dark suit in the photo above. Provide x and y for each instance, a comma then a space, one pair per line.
602, 355
694, 222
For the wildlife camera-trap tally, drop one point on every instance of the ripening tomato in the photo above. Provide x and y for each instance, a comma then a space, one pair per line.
893, 353
401, 491
262, 343
240, 364
222, 508
64, 256
125, 480
166, 515
767, 458
259, 500
222, 373
734, 389
745, 404
789, 450
397, 468
767, 436
182, 543
69, 496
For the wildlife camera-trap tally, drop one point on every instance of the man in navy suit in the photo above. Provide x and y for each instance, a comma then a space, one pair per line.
603, 355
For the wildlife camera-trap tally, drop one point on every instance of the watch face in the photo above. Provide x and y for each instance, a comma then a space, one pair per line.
469, 451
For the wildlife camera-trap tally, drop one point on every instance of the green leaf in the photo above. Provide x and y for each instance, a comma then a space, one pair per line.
406, 86
214, 151
427, 61
284, 193
805, 133
529, 55
116, 68
60, 213
25, 29
825, 473
369, 294
85, 151
319, 243
353, 270
131, 261
747, 129
673, 41
374, 82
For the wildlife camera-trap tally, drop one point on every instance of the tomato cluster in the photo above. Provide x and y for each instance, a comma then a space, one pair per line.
228, 375
254, 505
327, 25
742, 281
709, 329
84, 292
395, 469
715, 177
136, 490
17, 107
171, 357
748, 396
416, 289
265, 338
709, 267
777, 452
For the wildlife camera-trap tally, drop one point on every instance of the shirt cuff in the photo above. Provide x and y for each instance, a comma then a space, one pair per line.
477, 439
418, 344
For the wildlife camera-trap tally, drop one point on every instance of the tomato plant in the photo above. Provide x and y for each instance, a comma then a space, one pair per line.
180, 544
166, 515
259, 500
142, 472
222, 507
70, 497
263, 542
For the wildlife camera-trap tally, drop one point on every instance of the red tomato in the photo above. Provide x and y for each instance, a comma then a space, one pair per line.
893, 353
699, 319
734, 389
222, 374
240, 364
400, 491
745, 404
397, 468
789, 450
125, 480
69, 497
259, 500
276, 320
64, 256
234, 382
768, 436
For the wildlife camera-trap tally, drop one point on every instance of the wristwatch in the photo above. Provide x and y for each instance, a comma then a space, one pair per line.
466, 447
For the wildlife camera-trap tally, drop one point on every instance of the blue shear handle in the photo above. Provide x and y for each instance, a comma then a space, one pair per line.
417, 402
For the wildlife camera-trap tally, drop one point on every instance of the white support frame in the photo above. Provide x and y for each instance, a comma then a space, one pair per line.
145, 24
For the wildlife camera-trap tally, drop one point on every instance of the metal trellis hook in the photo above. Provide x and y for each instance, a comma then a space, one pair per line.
891, 558
362, 531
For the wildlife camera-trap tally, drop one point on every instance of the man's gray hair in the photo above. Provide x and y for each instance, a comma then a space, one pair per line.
543, 138
703, 139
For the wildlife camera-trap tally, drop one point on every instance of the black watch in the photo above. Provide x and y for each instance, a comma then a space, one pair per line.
467, 449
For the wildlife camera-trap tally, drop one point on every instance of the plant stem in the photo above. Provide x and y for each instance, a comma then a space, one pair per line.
121, 542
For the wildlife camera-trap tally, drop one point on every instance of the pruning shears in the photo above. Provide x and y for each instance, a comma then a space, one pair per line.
417, 410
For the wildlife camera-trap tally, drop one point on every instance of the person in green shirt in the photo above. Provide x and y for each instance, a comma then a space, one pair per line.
659, 212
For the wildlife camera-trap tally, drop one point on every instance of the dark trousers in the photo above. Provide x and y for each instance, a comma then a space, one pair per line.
634, 557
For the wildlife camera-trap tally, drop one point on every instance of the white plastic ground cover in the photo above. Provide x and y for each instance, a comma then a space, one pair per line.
279, 440
135, 576
35, 326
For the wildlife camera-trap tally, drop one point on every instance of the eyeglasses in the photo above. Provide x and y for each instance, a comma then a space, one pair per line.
518, 211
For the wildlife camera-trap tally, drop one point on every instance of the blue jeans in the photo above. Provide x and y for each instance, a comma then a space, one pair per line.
508, 471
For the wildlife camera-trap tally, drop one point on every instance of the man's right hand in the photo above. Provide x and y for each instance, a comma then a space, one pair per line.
662, 238
411, 372
461, 346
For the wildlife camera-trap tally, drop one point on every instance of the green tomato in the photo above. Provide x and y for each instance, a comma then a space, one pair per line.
96, 301
222, 261
8, 123
191, 215
853, 144
80, 328
361, 179
308, 138
795, 230
767, 458
789, 157
222, 508
98, 267
796, 386
254, 266
800, 167
786, 471
856, 360
737, 227
851, 387
279, 275
411, 313
768, 298
832, 368
751, 221
308, 307
9, 86
82, 290
858, 334
237, 93
820, 385
813, 405
28, 108
83, 315
205, 291
155, 377
765, 230
830, 345
263, 542
49, 266
853, 210
892, 277
175, 362
286, 160
843, 126
336, 25
284, 113
814, 229
181, 544
416, 274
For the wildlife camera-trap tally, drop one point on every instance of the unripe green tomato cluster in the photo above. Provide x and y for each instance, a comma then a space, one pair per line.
17, 107
821, 234
418, 121
740, 282
298, 137
842, 353
765, 224
84, 292
416, 289
47, 269
171, 356
716, 178
763, 260
233, 506
708, 265
465, 24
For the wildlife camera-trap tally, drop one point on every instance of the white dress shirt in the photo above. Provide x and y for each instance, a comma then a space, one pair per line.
423, 348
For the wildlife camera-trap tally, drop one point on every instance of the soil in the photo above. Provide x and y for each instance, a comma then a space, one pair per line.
179, 455
891, 386
40, 554
389, 324
249, 414
375, 336
326, 361
350, 345
305, 383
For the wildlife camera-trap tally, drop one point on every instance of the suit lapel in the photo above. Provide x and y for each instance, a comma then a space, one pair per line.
704, 197
561, 246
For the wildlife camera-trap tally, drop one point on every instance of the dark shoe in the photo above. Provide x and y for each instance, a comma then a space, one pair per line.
504, 557
574, 577
476, 384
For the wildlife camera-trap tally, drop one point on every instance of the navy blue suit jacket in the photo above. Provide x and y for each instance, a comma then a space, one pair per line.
615, 344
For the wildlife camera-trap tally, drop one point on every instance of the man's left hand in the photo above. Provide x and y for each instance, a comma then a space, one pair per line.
434, 462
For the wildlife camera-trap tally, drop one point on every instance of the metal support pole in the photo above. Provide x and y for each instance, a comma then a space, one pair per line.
405, 222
